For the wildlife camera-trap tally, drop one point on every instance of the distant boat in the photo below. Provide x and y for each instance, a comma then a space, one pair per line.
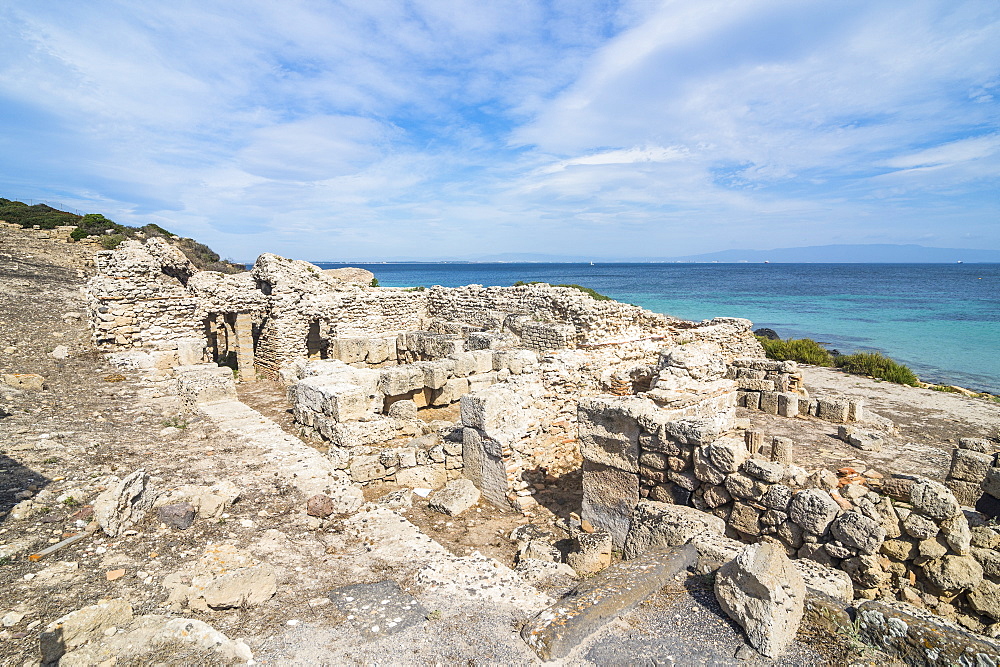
593, 263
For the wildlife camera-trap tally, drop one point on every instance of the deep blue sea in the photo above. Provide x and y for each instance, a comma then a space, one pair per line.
942, 320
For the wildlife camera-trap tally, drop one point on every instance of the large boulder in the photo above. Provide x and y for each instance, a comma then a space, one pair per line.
858, 532
763, 591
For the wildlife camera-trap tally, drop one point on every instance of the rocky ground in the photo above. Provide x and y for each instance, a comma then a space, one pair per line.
91, 425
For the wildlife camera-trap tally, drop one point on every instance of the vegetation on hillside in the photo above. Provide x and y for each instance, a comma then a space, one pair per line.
808, 351
597, 296
111, 233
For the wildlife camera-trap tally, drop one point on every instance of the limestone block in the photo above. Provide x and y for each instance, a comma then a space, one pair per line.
399, 380
456, 497
745, 519
608, 432
436, 373
343, 401
496, 412
969, 465
356, 434
766, 471
966, 493
769, 402
609, 497
748, 384
788, 405
483, 463
378, 350
427, 476
351, 350
763, 591
483, 360
819, 578
190, 351
727, 454
465, 363
453, 390
981, 445
366, 469
834, 410
655, 525
482, 381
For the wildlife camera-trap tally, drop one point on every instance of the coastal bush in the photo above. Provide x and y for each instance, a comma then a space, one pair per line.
374, 282
802, 350
876, 365
111, 241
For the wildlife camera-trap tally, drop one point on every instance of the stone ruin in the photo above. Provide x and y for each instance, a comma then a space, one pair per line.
547, 380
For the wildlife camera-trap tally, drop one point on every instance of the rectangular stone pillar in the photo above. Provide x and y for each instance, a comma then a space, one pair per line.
244, 347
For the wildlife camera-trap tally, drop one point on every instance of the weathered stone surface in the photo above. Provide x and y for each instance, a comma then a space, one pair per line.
177, 515
609, 497
81, 626
727, 455
957, 534
813, 509
899, 549
457, 496
124, 504
658, 525
985, 598
483, 463
378, 609
24, 381
917, 637
933, 499
609, 432
777, 497
745, 519
763, 591
858, 532
555, 631
496, 412
223, 578
771, 472
954, 573
591, 552
970, 465
819, 578
920, 527
865, 571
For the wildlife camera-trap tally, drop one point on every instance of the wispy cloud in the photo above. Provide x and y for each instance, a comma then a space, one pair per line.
442, 127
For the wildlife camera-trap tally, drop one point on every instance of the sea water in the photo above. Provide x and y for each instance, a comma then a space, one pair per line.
941, 320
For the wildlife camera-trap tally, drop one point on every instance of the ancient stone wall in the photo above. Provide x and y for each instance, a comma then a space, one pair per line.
898, 537
594, 321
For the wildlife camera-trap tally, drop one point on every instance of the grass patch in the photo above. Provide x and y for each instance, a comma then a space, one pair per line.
876, 365
802, 350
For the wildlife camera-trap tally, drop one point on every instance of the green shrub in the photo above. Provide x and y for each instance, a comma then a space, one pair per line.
876, 365
374, 282
802, 350
111, 241
79, 233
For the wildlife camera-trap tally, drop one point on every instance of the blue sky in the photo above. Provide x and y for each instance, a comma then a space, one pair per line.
445, 128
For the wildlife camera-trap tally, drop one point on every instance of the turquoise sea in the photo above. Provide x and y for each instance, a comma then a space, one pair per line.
942, 320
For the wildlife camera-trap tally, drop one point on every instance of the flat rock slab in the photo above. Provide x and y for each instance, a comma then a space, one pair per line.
379, 609
557, 630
